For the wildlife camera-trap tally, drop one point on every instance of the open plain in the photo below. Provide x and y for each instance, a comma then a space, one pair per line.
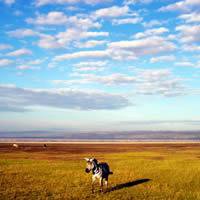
140, 171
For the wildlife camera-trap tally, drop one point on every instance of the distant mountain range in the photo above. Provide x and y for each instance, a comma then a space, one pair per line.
108, 135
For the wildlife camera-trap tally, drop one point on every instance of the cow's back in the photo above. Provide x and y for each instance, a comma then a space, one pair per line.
105, 169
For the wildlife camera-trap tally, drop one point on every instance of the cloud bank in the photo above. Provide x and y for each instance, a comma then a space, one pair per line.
21, 99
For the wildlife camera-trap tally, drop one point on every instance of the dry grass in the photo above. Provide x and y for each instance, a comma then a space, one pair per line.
140, 172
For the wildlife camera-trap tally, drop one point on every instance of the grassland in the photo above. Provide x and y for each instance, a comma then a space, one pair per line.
141, 171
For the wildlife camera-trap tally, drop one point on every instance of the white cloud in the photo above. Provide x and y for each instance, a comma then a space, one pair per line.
69, 37
149, 75
115, 79
93, 34
151, 23
168, 88
90, 66
184, 63
191, 17
190, 48
125, 50
77, 28
176, 6
187, 64
23, 67
5, 62
90, 43
112, 79
111, 12
9, 2
163, 58
73, 8
88, 69
27, 67
189, 33
145, 46
118, 78
49, 42
146, 82
36, 62
29, 64
172, 37
94, 2
116, 54
159, 82
5, 46
184, 5
52, 18
82, 22
90, 2
130, 2
82, 54
121, 53
20, 33
22, 99
69, 82
151, 32
132, 20
20, 52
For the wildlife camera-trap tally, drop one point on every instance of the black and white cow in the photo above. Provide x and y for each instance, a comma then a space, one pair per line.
100, 172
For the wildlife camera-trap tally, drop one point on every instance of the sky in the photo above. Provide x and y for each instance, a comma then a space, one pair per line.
99, 65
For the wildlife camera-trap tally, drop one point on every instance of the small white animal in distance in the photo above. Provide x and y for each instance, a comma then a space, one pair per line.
15, 145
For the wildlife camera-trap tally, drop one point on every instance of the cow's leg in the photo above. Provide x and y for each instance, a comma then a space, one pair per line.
93, 180
106, 183
101, 184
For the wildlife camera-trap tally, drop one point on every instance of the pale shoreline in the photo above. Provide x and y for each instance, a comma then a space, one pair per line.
7, 141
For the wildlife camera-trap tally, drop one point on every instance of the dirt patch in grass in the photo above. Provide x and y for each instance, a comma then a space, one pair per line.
75, 151
157, 158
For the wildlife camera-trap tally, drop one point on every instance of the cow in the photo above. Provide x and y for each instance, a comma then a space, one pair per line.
100, 171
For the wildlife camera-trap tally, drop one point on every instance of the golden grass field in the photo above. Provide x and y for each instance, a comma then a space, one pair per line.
141, 171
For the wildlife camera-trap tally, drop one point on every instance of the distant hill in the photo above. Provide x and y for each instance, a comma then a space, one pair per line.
108, 135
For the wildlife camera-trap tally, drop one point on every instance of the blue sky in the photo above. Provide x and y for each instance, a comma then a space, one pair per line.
88, 65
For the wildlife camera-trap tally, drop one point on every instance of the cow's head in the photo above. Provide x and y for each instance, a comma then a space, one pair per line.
91, 164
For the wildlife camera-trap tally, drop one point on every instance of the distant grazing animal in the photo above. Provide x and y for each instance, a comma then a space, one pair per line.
15, 145
100, 171
45, 146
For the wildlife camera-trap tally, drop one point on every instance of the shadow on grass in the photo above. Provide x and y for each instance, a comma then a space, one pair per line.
128, 184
